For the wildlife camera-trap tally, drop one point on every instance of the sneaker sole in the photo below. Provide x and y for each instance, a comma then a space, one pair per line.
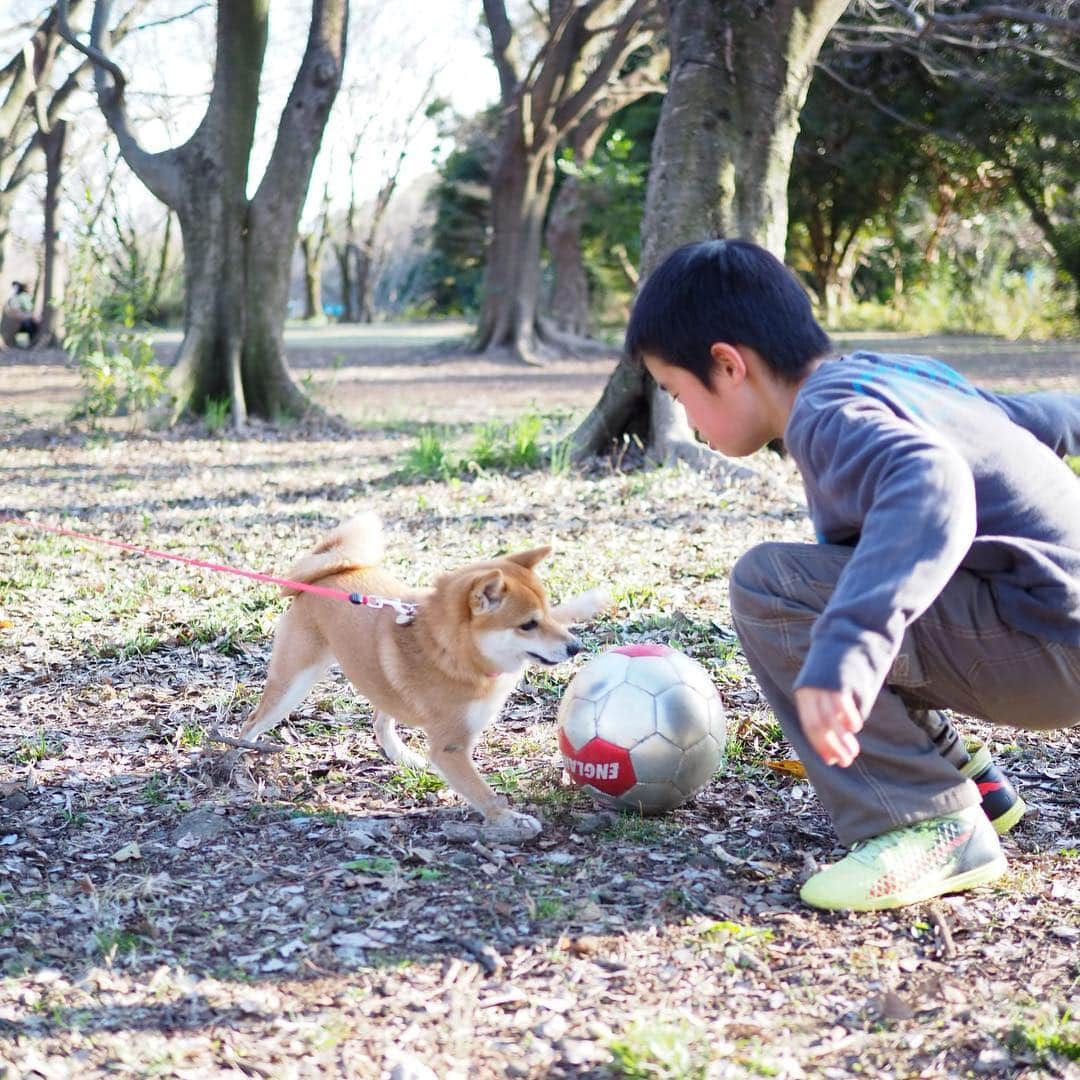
972, 879
980, 760
1003, 823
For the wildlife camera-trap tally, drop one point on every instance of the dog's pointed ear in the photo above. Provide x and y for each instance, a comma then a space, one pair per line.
487, 592
530, 558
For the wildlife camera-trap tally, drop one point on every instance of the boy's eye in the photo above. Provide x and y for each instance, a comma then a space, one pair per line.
532, 624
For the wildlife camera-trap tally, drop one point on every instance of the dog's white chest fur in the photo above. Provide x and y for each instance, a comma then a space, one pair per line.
481, 713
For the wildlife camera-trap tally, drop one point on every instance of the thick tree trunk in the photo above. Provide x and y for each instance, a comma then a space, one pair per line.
274, 216
521, 185
720, 164
569, 307
212, 207
237, 251
51, 329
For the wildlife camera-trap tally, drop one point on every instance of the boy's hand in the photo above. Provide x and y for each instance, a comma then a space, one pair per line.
829, 720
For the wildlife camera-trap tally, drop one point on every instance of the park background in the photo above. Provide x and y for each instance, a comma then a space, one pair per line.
381, 256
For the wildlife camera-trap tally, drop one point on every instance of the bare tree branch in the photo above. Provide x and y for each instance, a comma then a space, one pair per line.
502, 39
94, 53
157, 171
172, 18
624, 40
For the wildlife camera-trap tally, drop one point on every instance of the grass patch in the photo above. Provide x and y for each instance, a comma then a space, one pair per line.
495, 447
672, 1049
114, 942
216, 414
726, 930
634, 829
190, 734
556, 799
372, 864
416, 783
548, 908
153, 791
1048, 1037
36, 749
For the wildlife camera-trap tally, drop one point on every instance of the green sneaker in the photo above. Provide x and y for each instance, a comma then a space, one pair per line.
1000, 802
914, 863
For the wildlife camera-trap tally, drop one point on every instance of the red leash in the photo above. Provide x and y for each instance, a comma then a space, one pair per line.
405, 610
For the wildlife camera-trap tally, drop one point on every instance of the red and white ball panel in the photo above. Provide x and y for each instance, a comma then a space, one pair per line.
642, 727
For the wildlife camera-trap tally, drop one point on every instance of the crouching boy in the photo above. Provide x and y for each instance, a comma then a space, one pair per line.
946, 576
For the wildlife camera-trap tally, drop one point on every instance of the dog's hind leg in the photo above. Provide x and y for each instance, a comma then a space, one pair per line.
295, 664
391, 745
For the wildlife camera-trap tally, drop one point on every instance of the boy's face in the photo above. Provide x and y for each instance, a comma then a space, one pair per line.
727, 415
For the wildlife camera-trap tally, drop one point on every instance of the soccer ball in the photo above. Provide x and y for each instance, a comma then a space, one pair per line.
641, 727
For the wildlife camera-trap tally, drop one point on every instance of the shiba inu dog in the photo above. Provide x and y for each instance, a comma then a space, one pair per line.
447, 671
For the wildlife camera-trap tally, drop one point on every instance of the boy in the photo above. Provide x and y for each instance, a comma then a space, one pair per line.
947, 573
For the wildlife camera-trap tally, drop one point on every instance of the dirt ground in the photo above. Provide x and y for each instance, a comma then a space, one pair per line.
400, 372
171, 909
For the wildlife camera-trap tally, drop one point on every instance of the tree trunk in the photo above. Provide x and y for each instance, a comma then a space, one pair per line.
213, 212
720, 164
237, 251
51, 329
362, 284
274, 217
521, 185
312, 249
347, 260
569, 308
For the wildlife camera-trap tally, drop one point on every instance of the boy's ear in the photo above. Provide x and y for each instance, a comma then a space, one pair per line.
530, 558
487, 592
728, 362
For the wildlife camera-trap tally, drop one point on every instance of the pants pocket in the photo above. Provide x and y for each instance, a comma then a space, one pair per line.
907, 671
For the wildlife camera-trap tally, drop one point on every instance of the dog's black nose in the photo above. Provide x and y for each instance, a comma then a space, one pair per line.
573, 647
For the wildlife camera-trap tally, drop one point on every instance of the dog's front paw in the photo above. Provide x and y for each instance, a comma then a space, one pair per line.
510, 827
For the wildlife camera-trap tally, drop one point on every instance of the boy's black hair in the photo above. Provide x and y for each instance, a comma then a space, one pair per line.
731, 291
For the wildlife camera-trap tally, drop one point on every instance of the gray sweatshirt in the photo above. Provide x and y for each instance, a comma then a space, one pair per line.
923, 473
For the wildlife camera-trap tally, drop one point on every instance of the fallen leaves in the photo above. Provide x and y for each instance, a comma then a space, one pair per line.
166, 906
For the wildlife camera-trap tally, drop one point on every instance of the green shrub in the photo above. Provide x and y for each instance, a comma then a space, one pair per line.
1000, 302
119, 372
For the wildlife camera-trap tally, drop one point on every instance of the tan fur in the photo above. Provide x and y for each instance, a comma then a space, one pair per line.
448, 672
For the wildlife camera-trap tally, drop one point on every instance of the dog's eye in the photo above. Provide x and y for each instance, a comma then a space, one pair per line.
532, 624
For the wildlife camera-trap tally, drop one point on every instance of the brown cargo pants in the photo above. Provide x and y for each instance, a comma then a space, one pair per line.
957, 655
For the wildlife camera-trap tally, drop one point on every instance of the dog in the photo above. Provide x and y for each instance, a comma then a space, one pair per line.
448, 670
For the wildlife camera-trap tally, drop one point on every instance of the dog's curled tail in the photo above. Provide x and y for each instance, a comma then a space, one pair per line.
353, 545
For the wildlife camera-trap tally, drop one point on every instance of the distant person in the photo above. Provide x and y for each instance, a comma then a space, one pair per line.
21, 311
946, 573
